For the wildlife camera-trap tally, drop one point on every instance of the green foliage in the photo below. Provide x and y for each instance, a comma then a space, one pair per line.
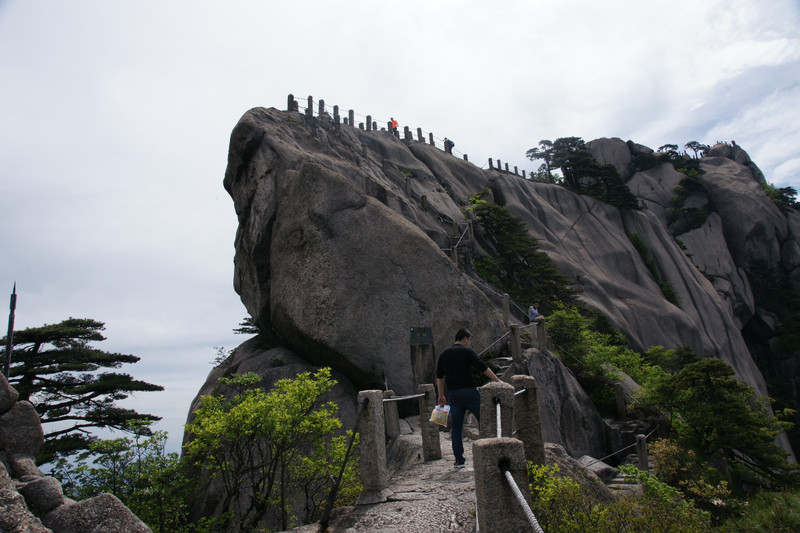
769, 512
261, 445
561, 506
594, 356
517, 266
784, 197
55, 368
582, 173
247, 327
138, 471
695, 479
723, 420
666, 286
544, 152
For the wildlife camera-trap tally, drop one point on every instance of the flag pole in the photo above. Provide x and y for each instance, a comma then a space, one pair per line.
10, 337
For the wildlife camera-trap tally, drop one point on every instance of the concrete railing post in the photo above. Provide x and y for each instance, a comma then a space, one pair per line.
391, 415
430, 136
310, 107
321, 111
420, 138
369, 122
290, 103
465, 157
431, 445
351, 117
504, 393
497, 507
336, 119
407, 134
491, 167
641, 453
527, 418
374, 475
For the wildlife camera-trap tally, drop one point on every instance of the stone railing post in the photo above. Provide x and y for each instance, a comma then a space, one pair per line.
407, 134
310, 107
541, 336
507, 171
369, 122
619, 396
321, 111
641, 453
527, 417
336, 118
351, 117
465, 157
497, 507
290, 103
504, 393
491, 167
506, 308
516, 346
431, 446
391, 415
374, 475
430, 136
420, 138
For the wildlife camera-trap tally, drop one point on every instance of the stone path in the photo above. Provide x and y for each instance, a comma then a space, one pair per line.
428, 497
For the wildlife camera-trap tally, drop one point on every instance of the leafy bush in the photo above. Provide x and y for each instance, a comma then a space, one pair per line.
769, 512
562, 507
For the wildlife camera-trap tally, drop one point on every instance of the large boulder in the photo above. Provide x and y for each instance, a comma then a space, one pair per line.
567, 415
101, 514
345, 243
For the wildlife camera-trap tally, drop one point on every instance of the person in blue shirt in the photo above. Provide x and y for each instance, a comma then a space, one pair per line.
454, 369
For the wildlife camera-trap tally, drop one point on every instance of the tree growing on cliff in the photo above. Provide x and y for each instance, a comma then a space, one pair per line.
724, 421
267, 447
58, 371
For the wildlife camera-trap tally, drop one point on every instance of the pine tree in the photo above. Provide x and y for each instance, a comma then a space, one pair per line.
55, 368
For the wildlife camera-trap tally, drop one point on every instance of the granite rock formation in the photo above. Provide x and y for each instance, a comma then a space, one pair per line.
346, 237
32, 502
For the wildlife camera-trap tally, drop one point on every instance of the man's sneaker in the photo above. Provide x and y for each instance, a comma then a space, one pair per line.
460, 464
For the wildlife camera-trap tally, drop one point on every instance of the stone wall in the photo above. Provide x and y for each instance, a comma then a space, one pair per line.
32, 502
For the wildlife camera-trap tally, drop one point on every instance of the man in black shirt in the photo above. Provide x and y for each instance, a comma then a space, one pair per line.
455, 370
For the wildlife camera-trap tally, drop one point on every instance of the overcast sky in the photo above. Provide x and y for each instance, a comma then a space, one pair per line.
115, 118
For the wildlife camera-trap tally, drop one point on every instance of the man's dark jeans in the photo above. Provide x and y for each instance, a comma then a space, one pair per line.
461, 401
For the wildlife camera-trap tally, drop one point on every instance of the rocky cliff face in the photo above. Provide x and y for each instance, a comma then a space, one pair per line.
345, 237
32, 502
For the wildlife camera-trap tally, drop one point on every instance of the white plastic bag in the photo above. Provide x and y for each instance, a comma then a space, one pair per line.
439, 415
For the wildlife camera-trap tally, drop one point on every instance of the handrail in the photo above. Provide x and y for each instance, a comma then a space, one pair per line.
311, 112
619, 451
521, 499
399, 398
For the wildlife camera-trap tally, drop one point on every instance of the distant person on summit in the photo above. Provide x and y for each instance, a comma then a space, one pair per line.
533, 313
394, 125
448, 145
455, 369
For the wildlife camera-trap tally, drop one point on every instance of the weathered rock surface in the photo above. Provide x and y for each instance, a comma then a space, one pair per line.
28, 497
344, 244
